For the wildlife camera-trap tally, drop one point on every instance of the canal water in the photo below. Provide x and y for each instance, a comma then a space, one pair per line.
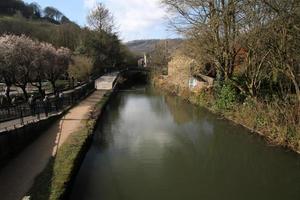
151, 146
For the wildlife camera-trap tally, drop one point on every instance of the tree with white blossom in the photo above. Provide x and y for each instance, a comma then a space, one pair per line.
23, 56
24, 61
58, 62
44, 54
6, 63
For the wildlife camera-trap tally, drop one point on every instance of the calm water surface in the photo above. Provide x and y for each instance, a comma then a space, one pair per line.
155, 147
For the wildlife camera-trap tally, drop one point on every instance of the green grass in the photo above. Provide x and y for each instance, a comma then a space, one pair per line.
54, 182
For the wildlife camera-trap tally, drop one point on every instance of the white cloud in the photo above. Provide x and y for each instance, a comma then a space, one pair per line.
89, 3
136, 18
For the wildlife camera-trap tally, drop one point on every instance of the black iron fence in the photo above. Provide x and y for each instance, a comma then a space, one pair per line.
44, 107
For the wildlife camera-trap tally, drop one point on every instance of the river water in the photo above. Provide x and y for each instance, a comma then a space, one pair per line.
151, 146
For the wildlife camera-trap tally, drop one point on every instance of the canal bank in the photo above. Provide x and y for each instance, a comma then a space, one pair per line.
150, 145
56, 179
18, 175
257, 117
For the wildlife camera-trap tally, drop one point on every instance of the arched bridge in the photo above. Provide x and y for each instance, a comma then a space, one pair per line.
135, 69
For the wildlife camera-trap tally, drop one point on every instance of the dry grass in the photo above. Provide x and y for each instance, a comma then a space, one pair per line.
278, 123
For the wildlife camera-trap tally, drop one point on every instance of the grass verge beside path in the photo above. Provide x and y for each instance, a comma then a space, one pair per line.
54, 182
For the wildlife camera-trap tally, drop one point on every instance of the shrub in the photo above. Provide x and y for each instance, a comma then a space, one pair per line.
81, 68
206, 98
202, 99
226, 97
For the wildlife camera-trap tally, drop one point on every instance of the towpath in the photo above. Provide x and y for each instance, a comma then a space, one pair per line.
17, 177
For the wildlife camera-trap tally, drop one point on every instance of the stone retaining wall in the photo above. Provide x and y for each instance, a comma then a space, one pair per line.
13, 141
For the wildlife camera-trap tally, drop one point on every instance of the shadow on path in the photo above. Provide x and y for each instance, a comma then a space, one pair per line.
18, 175
26, 169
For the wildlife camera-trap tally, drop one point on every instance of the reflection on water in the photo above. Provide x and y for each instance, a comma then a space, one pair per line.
151, 146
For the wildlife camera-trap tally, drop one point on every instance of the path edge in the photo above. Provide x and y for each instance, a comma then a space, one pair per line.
47, 186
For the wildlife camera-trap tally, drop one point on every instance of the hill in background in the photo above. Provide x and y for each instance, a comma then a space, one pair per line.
44, 24
67, 34
147, 46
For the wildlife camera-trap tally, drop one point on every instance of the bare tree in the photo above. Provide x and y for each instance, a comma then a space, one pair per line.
267, 31
160, 56
285, 39
100, 19
216, 23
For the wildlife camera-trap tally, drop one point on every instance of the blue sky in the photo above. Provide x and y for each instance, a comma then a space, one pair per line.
135, 19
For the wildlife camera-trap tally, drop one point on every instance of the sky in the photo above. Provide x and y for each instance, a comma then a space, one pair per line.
135, 19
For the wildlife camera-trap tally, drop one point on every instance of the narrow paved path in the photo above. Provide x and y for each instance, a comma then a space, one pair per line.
17, 177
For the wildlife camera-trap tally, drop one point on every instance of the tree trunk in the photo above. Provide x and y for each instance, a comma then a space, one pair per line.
41, 91
53, 87
293, 78
39, 86
23, 87
297, 89
7, 93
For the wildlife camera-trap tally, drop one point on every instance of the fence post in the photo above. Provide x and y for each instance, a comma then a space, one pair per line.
38, 111
22, 119
16, 111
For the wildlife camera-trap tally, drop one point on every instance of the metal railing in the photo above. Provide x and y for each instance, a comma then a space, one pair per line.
25, 112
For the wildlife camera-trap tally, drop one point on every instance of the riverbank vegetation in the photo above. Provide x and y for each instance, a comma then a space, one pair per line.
33, 40
251, 50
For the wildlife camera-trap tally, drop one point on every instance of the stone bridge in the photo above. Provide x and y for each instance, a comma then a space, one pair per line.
108, 81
